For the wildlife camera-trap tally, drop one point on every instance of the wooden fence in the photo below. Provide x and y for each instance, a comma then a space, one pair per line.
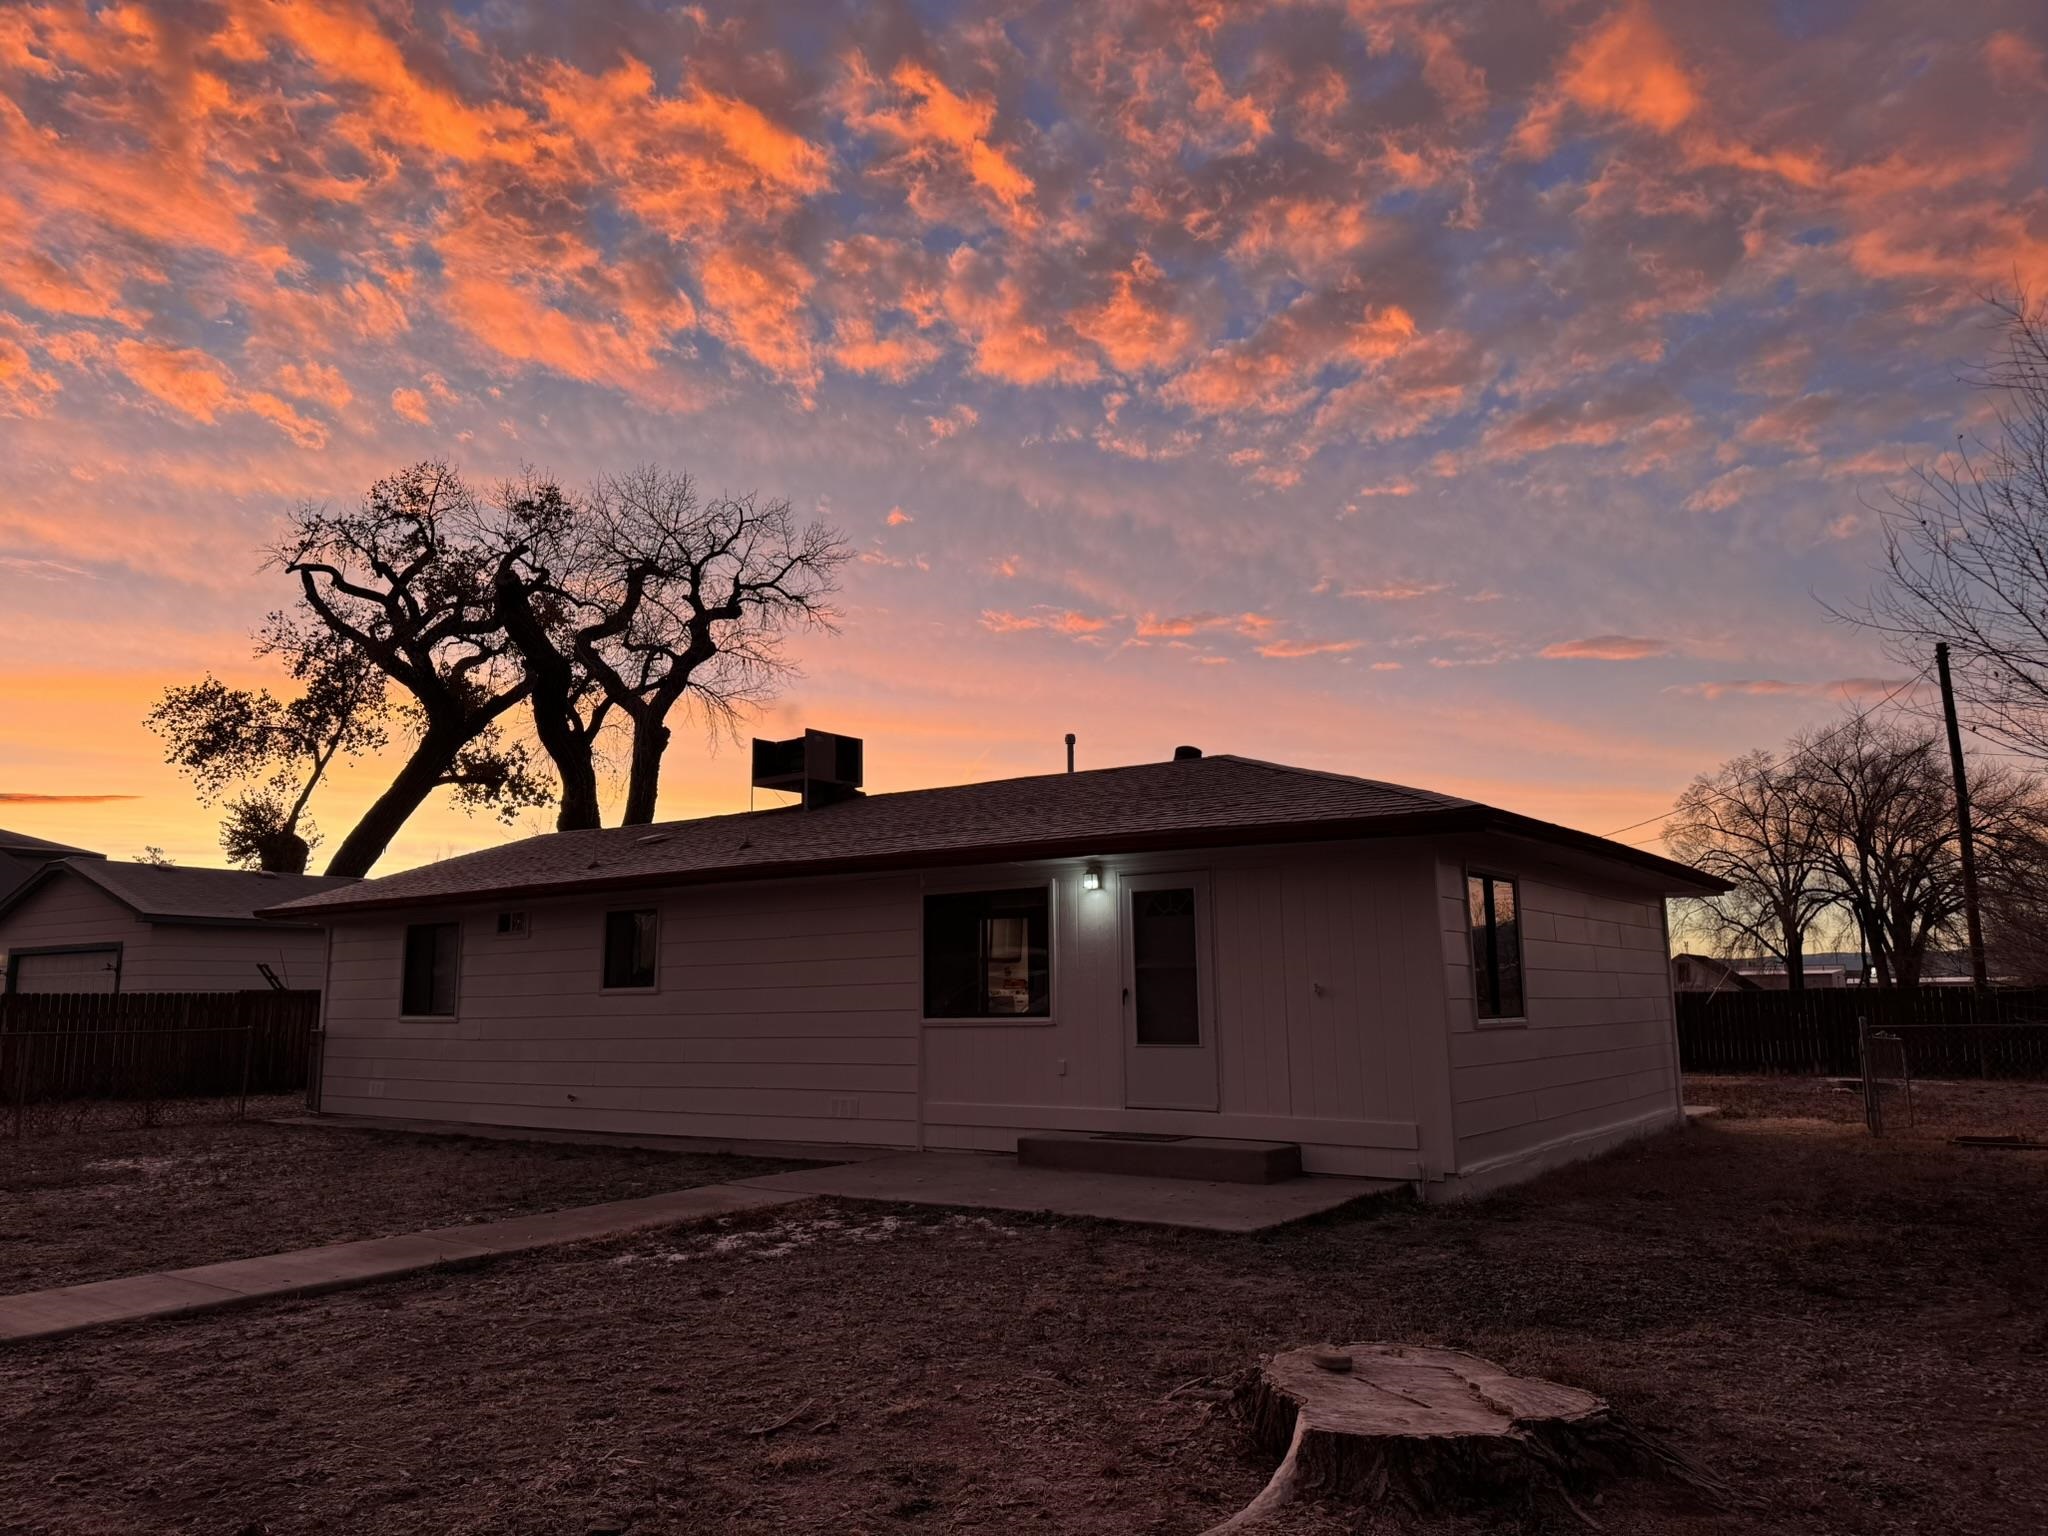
154, 1045
1948, 1031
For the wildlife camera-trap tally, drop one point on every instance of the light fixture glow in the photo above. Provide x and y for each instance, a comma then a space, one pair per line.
1091, 878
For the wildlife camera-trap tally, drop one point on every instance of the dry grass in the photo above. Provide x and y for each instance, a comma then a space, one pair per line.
95, 1205
1856, 1334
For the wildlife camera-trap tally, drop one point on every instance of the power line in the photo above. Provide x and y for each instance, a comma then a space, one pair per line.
1857, 717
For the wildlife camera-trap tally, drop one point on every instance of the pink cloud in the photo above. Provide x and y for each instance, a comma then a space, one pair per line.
1606, 648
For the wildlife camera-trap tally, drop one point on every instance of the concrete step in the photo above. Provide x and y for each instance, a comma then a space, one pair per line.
1163, 1157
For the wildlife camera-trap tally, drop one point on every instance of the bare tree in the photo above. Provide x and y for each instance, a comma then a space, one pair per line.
1966, 551
1881, 799
682, 598
549, 603
1748, 824
273, 753
406, 578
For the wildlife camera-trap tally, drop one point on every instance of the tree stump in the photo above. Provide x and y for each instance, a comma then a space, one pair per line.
1368, 1423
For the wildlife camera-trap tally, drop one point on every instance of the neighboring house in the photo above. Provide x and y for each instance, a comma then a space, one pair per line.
22, 855
100, 925
1705, 973
1406, 984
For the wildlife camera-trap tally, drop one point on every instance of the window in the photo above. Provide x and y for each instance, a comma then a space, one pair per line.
511, 925
629, 948
432, 963
1496, 945
987, 955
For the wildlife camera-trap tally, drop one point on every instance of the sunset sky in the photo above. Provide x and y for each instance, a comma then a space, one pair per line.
1472, 395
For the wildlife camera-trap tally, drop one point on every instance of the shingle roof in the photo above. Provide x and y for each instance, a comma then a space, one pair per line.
42, 847
171, 894
1202, 802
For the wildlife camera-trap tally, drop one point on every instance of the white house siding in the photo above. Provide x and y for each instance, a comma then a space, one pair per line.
783, 1012
161, 957
793, 1011
1596, 1061
1327, 1007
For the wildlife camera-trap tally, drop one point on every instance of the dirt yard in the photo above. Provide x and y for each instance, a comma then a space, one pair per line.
1937, 1111
99, 1204
1854, 1334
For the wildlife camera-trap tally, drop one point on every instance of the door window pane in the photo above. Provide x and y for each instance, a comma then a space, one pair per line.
1166, 978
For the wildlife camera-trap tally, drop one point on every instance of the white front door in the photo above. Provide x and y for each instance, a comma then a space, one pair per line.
1169, 1013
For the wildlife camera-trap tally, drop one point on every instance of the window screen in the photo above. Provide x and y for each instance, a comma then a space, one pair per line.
431, 963
630, 948
1496, 946
987, 955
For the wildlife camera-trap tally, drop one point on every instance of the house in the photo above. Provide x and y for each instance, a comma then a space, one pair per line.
90, 924
1705, 973
22, 855
1405, 984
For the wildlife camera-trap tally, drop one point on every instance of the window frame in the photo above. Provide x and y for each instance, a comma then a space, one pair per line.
1480, 1016
990, 886
404, 951
604, 951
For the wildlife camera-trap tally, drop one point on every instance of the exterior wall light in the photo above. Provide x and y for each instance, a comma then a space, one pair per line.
1091, 878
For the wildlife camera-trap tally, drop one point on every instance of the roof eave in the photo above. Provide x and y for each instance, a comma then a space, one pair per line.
1451, 819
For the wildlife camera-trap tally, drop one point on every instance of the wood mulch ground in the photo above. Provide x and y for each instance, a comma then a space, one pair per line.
1854, 1333
94, 1205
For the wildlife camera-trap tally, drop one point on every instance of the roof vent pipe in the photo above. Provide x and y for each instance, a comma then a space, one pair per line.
1186, 754
1070, 751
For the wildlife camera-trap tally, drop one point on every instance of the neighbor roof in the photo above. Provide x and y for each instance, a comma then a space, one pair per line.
1200, 802
165, 893
42, 847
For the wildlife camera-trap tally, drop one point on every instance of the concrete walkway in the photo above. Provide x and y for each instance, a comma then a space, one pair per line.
994, 1181
67, 1309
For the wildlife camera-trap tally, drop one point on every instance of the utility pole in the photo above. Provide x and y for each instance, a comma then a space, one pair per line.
1965, 843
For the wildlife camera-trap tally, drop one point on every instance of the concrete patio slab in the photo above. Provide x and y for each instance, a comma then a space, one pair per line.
338, 1266
993, 1181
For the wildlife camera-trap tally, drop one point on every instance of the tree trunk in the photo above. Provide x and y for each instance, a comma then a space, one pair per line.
643, 782
431, 759
1795, 958
1378, 1424
551, 682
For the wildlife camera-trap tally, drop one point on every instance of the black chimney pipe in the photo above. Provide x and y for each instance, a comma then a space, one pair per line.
1070, 751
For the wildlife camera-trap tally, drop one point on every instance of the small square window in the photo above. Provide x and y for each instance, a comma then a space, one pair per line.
630, 948
432, 966
1495, 914
511, 925
987, 955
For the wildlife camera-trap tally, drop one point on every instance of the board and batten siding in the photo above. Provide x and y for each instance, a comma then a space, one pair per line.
780, 1013
70, 911
1595, 1059
1326, 1003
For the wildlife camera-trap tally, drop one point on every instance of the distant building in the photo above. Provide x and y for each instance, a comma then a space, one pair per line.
21, 856
1704, 973
92, 924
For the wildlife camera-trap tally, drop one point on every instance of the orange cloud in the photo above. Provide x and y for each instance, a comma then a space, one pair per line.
1628, 68
1295, 650
938, 129
898, 517
1606, 648
412, 405
1136, 327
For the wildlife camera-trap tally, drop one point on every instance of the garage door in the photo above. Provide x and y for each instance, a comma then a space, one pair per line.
68, 970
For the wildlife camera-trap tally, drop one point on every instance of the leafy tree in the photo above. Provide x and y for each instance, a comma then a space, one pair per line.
268, 755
